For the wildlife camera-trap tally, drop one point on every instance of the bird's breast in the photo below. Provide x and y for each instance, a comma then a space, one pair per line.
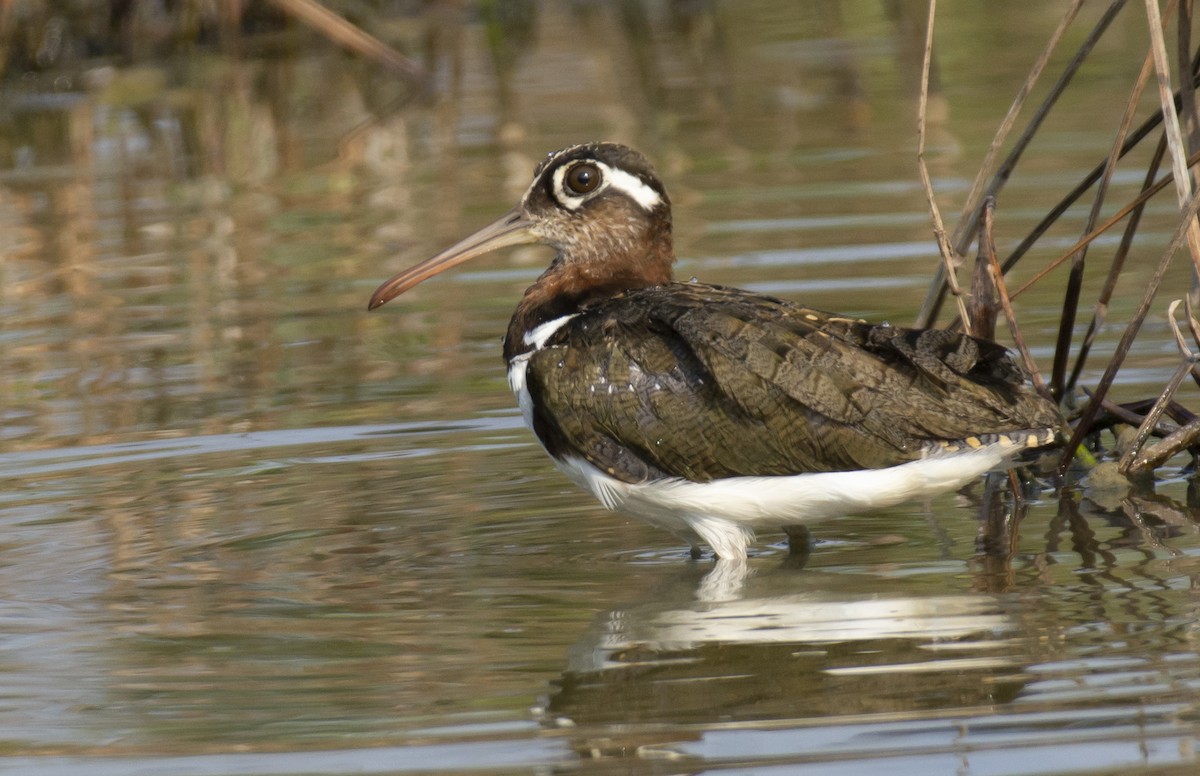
518, 366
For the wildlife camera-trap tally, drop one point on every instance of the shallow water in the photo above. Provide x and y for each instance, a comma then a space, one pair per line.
250, 529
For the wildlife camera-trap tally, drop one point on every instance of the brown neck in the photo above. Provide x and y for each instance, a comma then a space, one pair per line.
571, 283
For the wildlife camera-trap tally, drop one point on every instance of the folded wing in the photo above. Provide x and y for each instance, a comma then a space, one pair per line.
705, 382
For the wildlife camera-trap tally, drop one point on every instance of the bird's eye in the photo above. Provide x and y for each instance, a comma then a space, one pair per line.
583, 178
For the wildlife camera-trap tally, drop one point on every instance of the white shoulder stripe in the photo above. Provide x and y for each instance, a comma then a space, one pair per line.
538, 335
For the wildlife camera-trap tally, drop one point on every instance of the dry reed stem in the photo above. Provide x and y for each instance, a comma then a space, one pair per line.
968, 226
1112, 221
1100, 309
350, 36
1074, 194
1132, 462
1180, 341
1187, 104
949, 256
1129, 417
1194, 327
1176, 411
1066, 323
1162, 68
1091, 409
1150, 188
971, 209
983, 306
997, 278
1186, 436
1192, 323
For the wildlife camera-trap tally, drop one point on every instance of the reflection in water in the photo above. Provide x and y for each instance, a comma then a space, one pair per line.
843, 652
789, 619
834, 655
1007, 666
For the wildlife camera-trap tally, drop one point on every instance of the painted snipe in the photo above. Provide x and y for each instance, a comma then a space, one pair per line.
712, 411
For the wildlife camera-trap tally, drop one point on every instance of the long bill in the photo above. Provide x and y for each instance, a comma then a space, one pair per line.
510, 229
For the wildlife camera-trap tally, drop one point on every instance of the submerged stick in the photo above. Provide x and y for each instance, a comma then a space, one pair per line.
1123, 414
1183, 438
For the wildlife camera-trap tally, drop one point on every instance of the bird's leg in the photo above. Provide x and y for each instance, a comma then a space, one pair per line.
799, 540
799, 546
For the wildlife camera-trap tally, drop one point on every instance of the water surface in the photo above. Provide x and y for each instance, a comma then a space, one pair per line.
249, 528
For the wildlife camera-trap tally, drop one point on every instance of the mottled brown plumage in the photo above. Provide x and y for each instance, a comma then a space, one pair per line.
704, 382
712, 411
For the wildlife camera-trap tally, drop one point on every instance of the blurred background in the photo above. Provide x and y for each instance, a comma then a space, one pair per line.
241, 515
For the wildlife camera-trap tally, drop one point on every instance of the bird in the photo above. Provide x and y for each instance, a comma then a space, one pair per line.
714, 412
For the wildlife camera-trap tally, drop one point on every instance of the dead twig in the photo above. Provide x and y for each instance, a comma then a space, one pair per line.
1120, 413
997, 282
1100, 309
1132, 462
968, 224
949, 256
983, 307
1184, 438
1176, 411
1066, 323
1183, 181
1112, 221
1093, 406
350, 36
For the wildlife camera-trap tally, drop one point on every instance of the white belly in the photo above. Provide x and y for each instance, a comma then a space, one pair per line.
725, 513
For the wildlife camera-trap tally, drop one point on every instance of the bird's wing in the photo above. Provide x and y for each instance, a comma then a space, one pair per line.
703, 382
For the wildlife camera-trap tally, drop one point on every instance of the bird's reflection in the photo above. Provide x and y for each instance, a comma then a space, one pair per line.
762, 641
638, 633
788, 645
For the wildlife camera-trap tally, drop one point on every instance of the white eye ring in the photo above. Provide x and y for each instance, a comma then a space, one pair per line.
610, 177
